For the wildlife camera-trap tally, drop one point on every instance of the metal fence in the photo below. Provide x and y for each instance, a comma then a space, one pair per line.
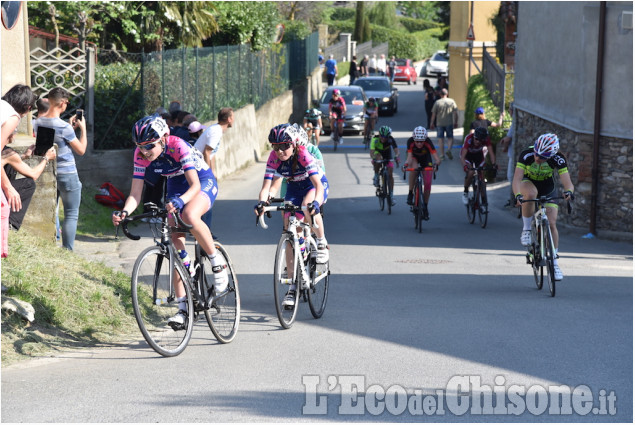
368, 49
497, 80
203, 80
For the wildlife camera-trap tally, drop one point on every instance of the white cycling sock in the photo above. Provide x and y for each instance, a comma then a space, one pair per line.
321, 241
182, 303
527, 223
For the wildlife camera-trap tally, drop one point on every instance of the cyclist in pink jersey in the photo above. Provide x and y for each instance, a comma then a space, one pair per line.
191, 188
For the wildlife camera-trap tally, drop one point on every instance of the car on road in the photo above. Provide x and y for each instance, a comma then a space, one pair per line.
405, 71
379, 87
437, 64
355, 99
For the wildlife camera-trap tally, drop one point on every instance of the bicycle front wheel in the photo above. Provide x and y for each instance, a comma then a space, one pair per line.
420, 207
283, 278
223, 317
154, 301
549, 257
386, 191
482, 208
471, 208
536, 257
319, 289
381, 194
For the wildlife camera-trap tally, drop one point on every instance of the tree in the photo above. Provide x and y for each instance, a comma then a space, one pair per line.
426, 10
245, 22
384, 14
358, 33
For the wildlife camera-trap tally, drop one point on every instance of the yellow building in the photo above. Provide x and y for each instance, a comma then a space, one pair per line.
462, 13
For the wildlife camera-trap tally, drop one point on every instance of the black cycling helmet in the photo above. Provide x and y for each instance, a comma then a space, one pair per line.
481, 133
315, 103
149, 129
277, 134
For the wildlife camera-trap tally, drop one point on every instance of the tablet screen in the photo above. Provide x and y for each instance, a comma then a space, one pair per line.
44, 140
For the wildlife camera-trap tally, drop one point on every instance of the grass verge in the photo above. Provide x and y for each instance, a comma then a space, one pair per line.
77, 302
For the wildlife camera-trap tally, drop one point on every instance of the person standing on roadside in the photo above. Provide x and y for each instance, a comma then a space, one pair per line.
69, 187
208, 144
372, 65
353, 71
392, 66
331, 70
445, 112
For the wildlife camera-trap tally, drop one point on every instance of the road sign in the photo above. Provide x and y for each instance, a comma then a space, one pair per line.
470, 33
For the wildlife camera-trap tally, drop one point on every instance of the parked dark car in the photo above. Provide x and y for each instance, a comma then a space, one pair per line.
355, 99
405, 71
380, 88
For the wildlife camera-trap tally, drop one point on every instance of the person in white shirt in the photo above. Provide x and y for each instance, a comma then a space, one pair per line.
208, 144
381, 64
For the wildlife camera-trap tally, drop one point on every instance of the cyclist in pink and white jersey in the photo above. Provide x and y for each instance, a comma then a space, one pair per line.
191, 188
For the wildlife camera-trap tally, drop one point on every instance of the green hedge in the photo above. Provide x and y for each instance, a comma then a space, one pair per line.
414, 25
477, 95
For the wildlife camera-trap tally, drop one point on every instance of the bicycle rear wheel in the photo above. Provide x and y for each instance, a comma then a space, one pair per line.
282, 281
154, 302
549, 257
223, 317
318, 287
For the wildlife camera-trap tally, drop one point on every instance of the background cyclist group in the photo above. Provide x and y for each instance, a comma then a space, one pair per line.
295, 167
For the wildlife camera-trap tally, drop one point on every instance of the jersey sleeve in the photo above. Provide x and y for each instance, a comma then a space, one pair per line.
307, 160
273, 163
140, 165
180, 150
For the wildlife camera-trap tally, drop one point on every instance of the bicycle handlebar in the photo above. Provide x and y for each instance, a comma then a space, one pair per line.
153, 213
545, 199
287, 206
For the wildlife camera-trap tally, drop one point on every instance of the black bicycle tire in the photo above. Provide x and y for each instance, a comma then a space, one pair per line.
537, 259
482, 216
317, 304
163, 332
420, 204
286, 320
382, 194
549, 257
225, 334
386, 191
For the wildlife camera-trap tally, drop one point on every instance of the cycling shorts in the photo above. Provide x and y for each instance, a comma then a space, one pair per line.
545, 188
296, 193
477, 158
178, 185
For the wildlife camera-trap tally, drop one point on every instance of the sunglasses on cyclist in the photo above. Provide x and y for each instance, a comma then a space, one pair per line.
148, 146
419, 141
281, 146
540, 156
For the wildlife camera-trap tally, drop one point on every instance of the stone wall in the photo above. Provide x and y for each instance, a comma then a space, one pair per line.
615, 177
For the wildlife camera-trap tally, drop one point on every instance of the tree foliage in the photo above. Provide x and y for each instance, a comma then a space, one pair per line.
245, 22
384, 14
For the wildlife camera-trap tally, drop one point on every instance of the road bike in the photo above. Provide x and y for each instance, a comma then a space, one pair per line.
382, 191
310, 130
541, 251
335, 132
153, 293
419, 208
296, 264
477, 200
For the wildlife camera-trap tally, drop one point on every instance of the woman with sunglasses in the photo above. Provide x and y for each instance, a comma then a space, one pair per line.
191, 188
473, 155
534, 177
421, 151
306, 184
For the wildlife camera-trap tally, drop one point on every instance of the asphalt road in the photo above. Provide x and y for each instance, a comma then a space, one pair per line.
442, 322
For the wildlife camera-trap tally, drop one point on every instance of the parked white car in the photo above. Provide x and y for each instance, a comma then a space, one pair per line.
437, 65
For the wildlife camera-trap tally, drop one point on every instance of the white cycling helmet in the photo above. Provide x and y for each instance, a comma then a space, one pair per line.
547, 145
302, 139
419, 133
